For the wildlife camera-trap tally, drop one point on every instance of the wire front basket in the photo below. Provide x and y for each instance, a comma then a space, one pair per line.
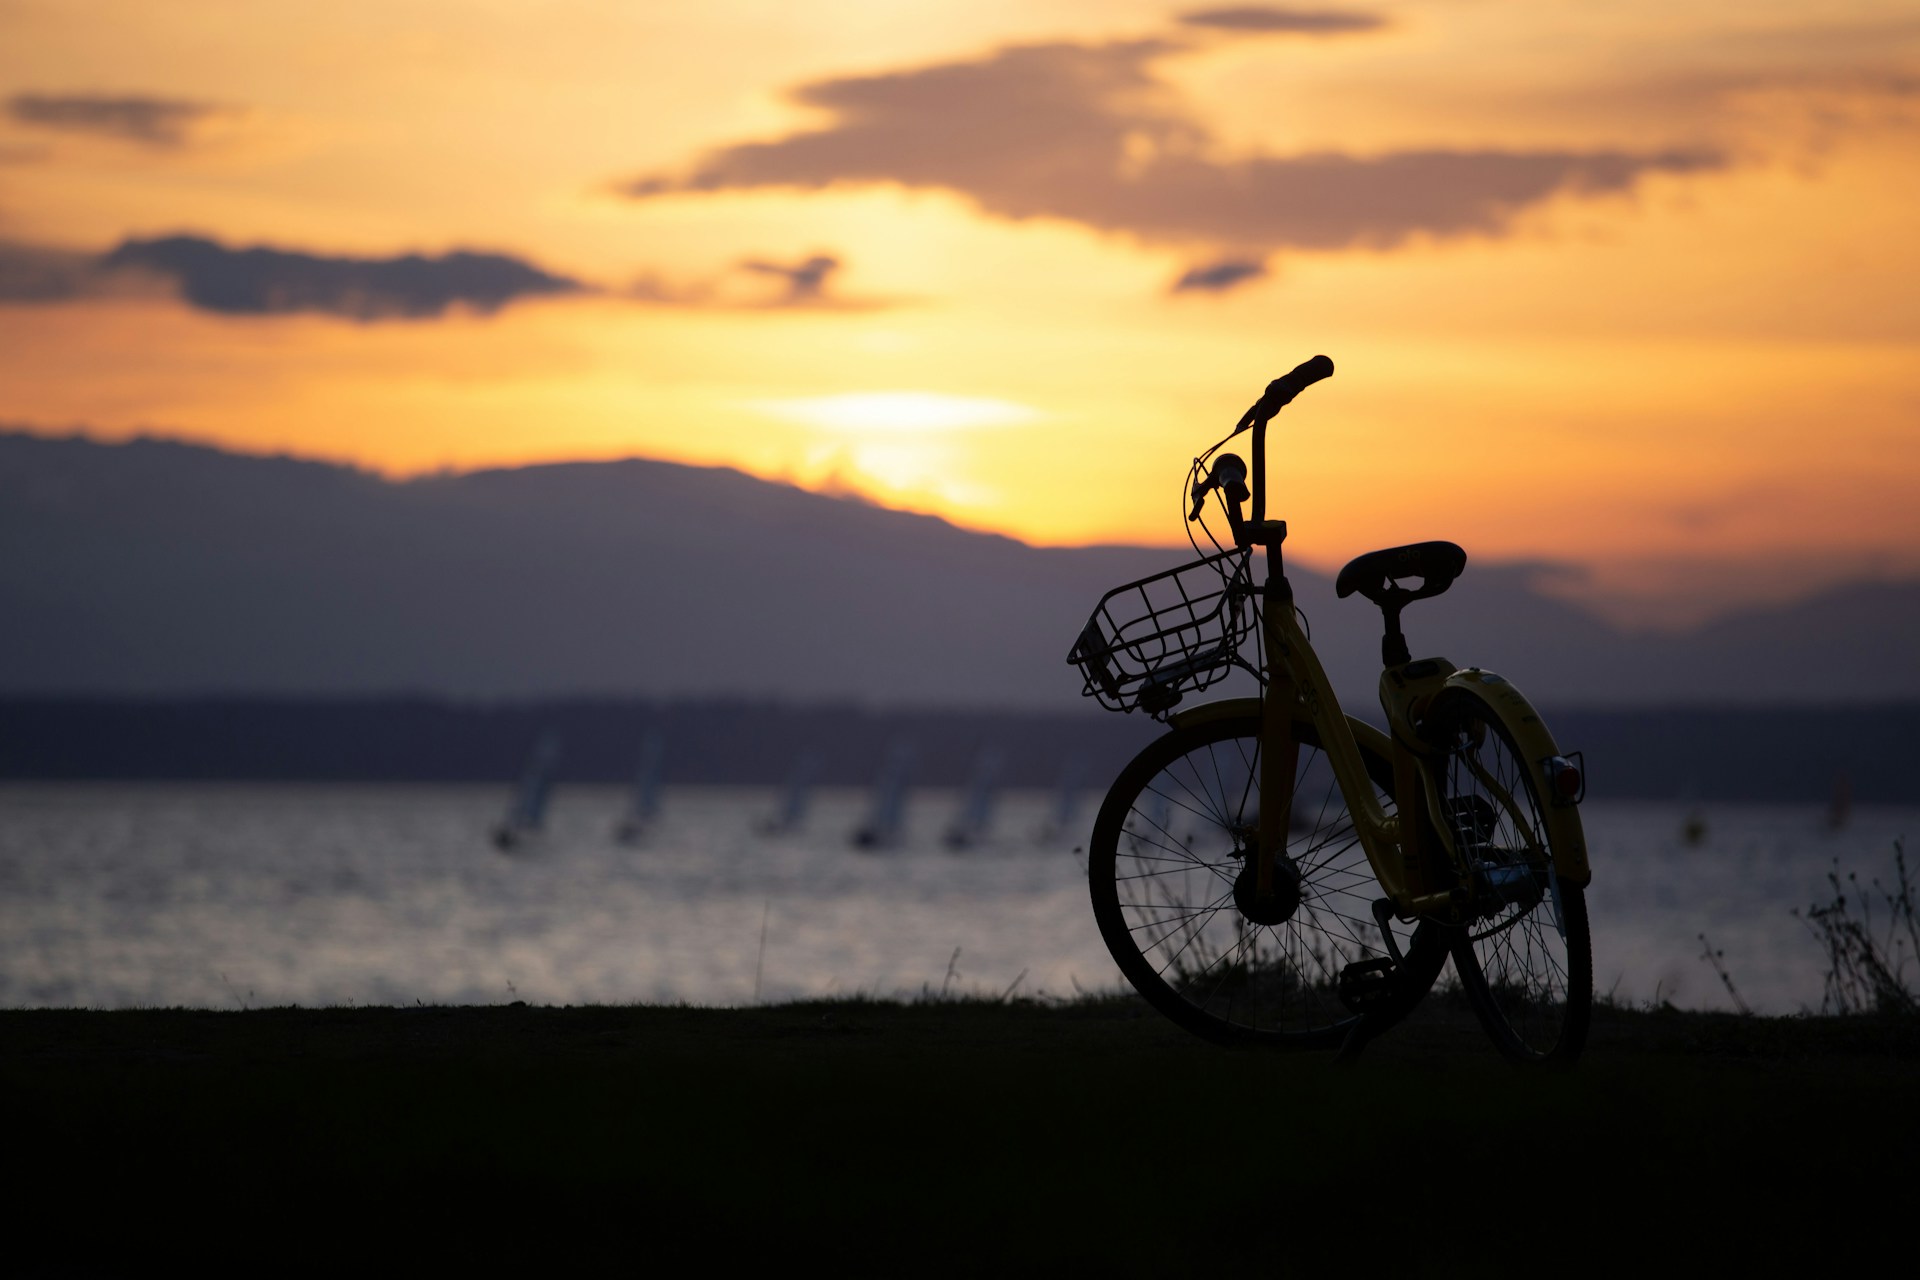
1152, 640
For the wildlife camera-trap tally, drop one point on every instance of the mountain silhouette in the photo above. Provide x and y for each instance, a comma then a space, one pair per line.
160, 568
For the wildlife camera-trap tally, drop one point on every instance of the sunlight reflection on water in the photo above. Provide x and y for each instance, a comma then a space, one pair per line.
231, 896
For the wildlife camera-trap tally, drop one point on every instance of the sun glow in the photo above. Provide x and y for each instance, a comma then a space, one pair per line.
1671, 374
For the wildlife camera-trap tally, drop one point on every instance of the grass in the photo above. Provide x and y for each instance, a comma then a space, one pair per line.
958, 1134
934, 1137
1871, 936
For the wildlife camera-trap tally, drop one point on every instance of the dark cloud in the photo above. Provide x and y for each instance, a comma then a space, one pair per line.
806, 280
152, 122
34, 273
1218, 277
212, 277
745, 286
1309, 22
262, 281
1089, 133
38, 273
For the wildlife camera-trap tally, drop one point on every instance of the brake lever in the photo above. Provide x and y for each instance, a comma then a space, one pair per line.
1229, 475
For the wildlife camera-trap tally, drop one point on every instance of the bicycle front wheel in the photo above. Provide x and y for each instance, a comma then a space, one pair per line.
1526, 959
1169, 848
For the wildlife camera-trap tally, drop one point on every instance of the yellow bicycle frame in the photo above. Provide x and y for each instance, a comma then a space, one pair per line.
1412, 852
1407, 849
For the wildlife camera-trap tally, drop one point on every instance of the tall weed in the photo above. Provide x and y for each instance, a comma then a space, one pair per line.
1871, 938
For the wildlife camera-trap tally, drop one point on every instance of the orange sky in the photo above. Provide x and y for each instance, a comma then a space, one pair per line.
1630, 287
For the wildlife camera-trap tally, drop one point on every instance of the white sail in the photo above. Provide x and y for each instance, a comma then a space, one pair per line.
798, 794
643, 798
883, 825
970, 824
527, 811
1066, 800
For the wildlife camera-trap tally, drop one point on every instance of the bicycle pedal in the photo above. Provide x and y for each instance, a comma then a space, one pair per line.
1366, 985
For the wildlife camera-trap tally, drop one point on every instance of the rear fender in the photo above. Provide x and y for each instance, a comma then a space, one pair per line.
1536, 744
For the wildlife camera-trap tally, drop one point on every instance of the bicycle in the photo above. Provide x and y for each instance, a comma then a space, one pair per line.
1271, 871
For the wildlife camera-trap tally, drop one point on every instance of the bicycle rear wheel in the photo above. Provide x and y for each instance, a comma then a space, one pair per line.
1169, 846
1526, 959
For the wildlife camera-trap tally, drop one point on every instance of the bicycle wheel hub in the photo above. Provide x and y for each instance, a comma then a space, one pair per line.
1513, 884
1282, 899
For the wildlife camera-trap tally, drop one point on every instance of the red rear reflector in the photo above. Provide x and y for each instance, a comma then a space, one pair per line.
1564, 774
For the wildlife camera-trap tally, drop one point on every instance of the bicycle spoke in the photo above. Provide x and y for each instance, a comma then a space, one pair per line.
1516, 964
1172, 891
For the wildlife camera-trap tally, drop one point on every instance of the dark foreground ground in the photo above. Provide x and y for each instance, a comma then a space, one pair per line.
941, 1138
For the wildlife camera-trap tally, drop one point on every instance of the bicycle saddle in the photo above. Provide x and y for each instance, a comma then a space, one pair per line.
1374, 574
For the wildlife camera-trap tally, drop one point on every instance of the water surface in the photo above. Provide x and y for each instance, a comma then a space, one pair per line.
114, 896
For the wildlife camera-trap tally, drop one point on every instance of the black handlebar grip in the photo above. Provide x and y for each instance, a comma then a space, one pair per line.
1281, 391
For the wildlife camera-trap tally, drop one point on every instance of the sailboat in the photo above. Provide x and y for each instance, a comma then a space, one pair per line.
1066, 801
643, 801
969, 826
1693, 823
1159, 816
528, 809
881, 830
1151, 823
793, 803
1693, 828
1841, 807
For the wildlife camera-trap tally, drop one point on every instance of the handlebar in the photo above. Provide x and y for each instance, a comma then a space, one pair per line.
1281, 391
1229, 474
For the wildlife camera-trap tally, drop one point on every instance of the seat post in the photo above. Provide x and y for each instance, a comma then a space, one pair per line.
1393, 645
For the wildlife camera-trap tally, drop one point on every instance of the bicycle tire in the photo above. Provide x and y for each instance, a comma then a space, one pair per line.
1165, 905
1526, 960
